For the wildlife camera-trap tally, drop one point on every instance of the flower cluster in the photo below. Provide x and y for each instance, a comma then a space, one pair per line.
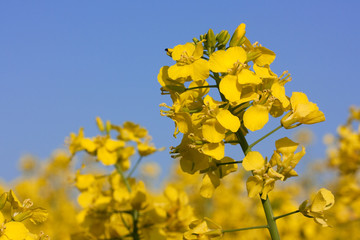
13, 228
115, 206
249, 92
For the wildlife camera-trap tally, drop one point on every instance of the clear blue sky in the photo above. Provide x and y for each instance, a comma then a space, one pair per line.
62, 63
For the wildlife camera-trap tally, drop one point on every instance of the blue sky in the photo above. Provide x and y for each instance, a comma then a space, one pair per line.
62, 63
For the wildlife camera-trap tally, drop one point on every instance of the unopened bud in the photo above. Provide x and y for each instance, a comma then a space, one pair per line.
223, 37
210, 39
237, 37
3, 199
100, 124
195, 40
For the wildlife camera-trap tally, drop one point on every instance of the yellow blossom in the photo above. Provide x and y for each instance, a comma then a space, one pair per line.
322, 201
303, 112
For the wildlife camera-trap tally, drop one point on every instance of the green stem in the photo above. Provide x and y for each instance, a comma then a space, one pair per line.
232, 141
208, 86
119, 170
135, 213
265, 136
287, 214
135, 166
243, 229
274, 233
135, 224
226, 163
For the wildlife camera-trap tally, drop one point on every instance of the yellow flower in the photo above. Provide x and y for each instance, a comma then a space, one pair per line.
303, 112
232, 62
322, 201
204, 229
189, 62
219, 121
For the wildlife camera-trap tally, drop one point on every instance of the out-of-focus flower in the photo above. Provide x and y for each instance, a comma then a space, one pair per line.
322, 201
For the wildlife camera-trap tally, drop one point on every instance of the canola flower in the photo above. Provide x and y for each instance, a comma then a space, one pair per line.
249, 92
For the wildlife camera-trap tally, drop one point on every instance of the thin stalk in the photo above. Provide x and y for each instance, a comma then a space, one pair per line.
243, 229
135, 224
135, 213
274, 233
135, 166
119, 170
287, 214
265, 136
226, 163
209, 86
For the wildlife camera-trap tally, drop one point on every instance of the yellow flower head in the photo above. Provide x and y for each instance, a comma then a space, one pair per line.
303, 112
322, 201
189, 63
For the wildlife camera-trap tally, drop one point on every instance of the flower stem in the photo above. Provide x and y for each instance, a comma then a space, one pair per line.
135, 166
243, 229
274, 233
287, 214
208, 86
265, 136
226, 163
119, 170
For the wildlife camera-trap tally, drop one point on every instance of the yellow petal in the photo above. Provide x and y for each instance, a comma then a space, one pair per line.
215, 150
254, 185
298, 98
227, 120
256, 117
278, 91
183, 121
268, 186
113, 145
85, 199
223, 61
246, 76
106, 157
264, 72
230, 87
323, 200
200, 70
266, 58
88, 144
213, 131
14, 231
199, 50
186, 49
83, 181
253, 161
39, 215
180, 71
171, 193
209, 183
286, 146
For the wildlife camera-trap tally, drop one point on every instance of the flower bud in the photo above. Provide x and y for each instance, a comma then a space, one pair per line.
210, 39
238, 35
3, 199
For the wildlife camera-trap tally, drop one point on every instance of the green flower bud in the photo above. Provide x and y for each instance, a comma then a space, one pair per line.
223, 37
210, 39
195, 40
3, 199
